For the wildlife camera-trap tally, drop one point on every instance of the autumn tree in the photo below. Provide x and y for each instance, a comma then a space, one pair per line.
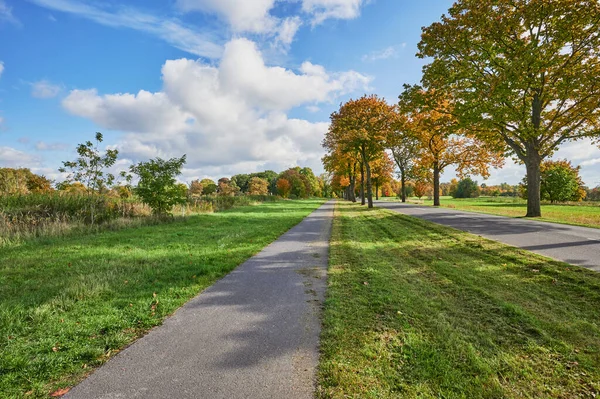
258, 186
343, 165
227, 187
405, 148
300, 186
195, 189
442, 142
361, 126
382, 170
23, 181
524, 74
283, 187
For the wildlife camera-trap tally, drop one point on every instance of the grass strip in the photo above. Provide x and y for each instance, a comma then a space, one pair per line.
419, 310
68, 304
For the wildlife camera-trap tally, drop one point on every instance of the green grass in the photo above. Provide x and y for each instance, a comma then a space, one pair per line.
419, 310
580, 213
69, 304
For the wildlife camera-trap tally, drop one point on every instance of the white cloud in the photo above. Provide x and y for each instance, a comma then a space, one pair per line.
338, 9
288, 29
242, 15
6, 14
43, 146
384, 54
227, 119
12, 158
44, 89
1, 68
170, 30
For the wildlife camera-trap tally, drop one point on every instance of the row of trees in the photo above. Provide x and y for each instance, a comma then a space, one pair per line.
506, 78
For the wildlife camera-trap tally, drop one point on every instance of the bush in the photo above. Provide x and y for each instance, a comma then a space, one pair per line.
466, 188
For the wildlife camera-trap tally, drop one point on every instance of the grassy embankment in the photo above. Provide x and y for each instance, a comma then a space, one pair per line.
67, 304
418, 310
577, 213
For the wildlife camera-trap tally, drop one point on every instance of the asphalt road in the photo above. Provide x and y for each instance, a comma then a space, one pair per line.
571, 244
253, 334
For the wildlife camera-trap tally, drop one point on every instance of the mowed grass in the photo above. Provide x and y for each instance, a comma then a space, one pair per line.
418, 310
580, 214
67, 305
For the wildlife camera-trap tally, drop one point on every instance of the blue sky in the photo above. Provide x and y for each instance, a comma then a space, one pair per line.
237, 85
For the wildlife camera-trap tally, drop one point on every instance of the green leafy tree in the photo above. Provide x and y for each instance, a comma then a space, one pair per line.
560, 182
157, 185
242, 181
208, 186
466, 188
90, 167
524, 74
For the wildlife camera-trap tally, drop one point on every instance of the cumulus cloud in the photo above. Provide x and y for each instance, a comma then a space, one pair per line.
171, 30
326, 9
12, 158
44, 89
227, 119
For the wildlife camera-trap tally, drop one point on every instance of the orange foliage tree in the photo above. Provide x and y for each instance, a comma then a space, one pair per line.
283, 187
442, 142
360, 127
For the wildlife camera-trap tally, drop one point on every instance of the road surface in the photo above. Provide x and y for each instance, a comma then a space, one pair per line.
253, 334
572, 244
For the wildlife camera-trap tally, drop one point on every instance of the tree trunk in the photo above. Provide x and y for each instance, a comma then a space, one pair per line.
436, 184
534, 205
377, 189
403, 180
362, 183
369, 185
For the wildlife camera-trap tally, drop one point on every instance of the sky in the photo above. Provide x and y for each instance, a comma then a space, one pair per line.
237, 85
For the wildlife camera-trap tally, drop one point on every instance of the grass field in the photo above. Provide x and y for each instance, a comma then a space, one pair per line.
418, 310
69, 304
580, 214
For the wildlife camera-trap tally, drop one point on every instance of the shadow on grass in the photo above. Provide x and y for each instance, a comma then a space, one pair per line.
433, 312
73, 301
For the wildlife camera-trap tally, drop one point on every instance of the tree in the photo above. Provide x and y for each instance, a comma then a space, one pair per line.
593, 194
242, 181
442, 142
195, 190
343, 165
524, 74
258, 186
466, 188
300, 187
208, 186
382, 170
227, 187
283, 187
360, 127
421, 187
312, 179
90, 167
22, 181
559, 182
405, 148
157, 185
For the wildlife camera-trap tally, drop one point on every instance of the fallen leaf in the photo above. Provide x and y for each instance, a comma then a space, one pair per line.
54, 349
365, 283
154, 294
60, 392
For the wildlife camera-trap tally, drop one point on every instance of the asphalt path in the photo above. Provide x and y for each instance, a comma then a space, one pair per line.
572, 244
253, 334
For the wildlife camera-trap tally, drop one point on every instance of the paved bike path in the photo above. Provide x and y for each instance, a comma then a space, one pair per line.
572, 244
253, 334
